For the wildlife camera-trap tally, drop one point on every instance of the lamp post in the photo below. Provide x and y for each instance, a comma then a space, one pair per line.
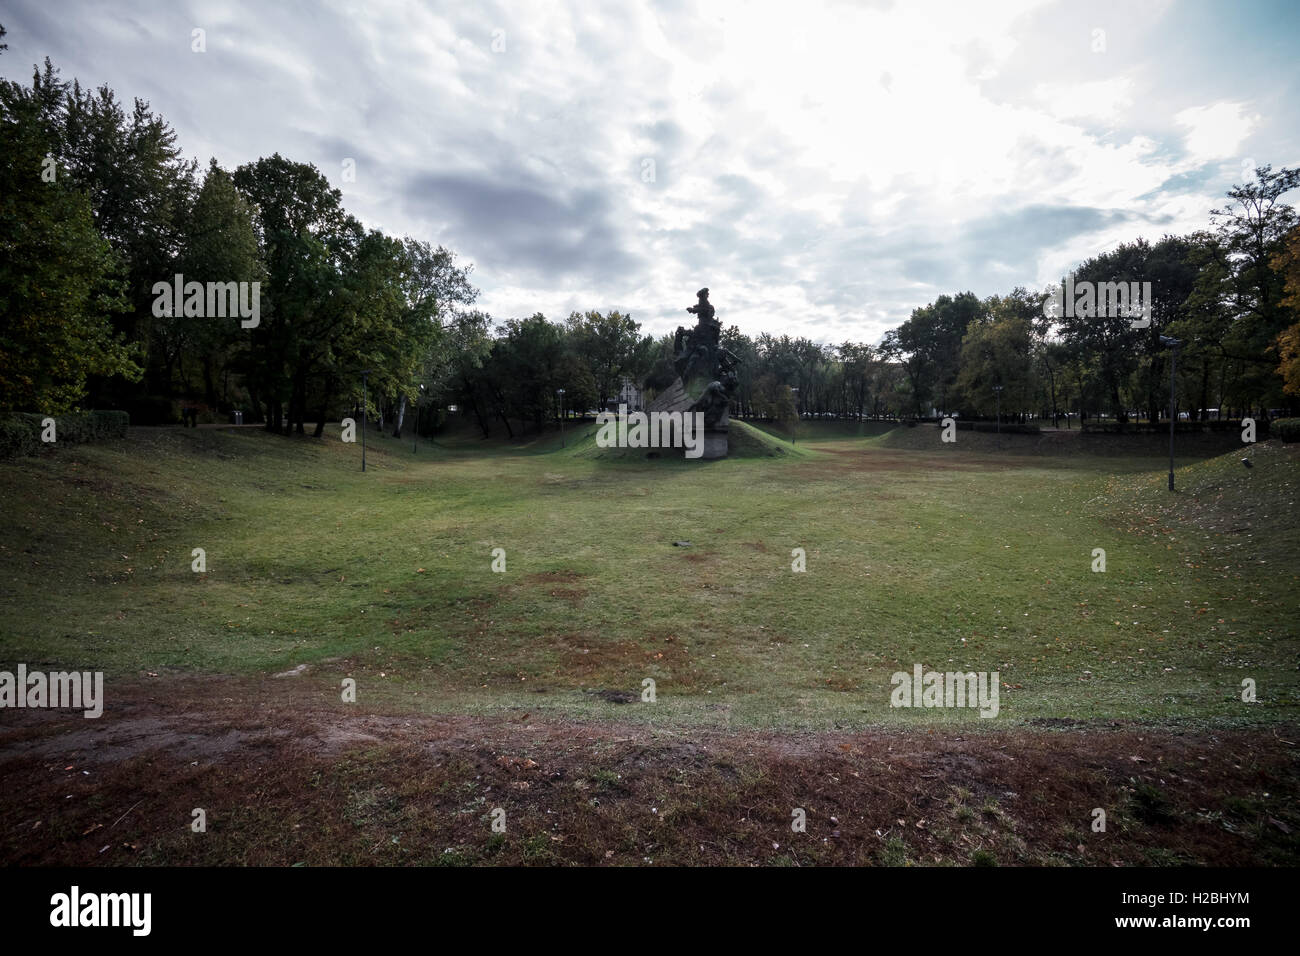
560, 392
365, 412
794, 432
998, 391
415, 432
1174, 345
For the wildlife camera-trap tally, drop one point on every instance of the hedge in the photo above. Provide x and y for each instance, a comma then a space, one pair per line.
1287, 429
1014, 428
20, 433
1162, 428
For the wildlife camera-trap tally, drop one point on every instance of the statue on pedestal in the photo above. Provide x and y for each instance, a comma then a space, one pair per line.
698, 352
706, 380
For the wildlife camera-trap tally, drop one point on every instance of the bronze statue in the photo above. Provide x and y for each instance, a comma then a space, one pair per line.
714, 403
697, 352
705, 380
702, 309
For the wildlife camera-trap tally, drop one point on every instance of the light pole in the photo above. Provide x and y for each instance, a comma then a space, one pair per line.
415, 432
415, 429
365, 412
998, 390
794, 432
1174, 345
560, 392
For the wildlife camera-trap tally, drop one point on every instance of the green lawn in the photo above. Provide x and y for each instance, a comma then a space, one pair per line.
955, 561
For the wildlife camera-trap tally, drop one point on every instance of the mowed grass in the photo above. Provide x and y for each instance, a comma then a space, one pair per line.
957, 562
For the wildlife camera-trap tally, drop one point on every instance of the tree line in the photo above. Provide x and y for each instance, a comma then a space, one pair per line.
98, 206
1229, 296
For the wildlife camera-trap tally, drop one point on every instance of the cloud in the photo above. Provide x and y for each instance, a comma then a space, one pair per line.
519, 225
824, 170
1215, 131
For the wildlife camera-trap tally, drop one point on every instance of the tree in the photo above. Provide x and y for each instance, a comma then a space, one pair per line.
857, 363
1105, 336
997, 353
218, 244
60, 282
140, 190
928, 346
457, 377
774, 399
1238, 298
527, 365
301, 229
1286, 262
610, 347
580, 389
433, 288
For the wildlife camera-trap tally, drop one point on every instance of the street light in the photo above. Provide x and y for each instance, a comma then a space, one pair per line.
415, 434
560, 392
1175, 345
365, 412
794, 432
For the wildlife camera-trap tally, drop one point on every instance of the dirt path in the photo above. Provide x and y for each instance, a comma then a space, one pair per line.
296, 780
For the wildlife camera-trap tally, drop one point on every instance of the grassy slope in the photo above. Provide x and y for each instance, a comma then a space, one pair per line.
743, 441
971, 563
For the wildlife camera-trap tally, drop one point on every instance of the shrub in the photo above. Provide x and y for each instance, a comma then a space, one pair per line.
20, 434
18, 437
1008, 428
1287, 429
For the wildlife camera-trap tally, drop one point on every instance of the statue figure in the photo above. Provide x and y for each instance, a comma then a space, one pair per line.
713, 403
727, 361
696, 351
706, 370
679, 348
703, 310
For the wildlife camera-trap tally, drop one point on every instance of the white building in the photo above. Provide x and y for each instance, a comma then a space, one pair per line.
631, 395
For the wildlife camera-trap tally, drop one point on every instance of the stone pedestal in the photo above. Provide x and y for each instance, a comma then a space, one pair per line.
715, 443
677, 398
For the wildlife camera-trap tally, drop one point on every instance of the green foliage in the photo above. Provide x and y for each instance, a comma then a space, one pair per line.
1239, 306
774, 399
998, 353
1287, 429
885, 530
611, 349
928, 347
1010, 428
20, 433
127, 210
58, 278
219, 244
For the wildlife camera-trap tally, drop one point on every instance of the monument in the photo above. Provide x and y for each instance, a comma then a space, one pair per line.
706, 376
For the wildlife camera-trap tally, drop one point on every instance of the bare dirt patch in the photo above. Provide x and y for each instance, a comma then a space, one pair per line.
553, 577
297, 778
591, 660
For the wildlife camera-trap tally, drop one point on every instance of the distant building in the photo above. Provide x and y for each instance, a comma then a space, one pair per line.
631, 395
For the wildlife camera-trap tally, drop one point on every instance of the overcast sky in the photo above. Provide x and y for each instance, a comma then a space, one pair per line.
823, 168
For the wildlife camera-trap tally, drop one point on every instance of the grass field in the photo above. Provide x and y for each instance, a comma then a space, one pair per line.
954, 562
970, 559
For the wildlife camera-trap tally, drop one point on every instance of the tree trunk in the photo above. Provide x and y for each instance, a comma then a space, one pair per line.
400, 416
1121, 414
478, 413
326, 401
